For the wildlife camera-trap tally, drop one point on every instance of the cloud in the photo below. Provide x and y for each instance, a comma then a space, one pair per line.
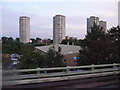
9, 23
41, 17
76, 26
60, 0
39, 25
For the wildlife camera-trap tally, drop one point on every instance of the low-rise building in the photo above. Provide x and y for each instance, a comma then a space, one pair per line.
70, 52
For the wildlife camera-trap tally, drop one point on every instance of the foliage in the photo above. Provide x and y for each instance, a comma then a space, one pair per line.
114, 44
10, 46
70, 41
53, 57
30, 58
99, 47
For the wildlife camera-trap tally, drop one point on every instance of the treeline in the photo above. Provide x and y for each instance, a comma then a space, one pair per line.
30, 58
10, 46
99, 47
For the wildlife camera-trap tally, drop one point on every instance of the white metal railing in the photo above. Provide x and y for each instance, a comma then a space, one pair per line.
58, 71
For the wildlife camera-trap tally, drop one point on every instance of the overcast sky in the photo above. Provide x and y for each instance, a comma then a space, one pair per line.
41, 16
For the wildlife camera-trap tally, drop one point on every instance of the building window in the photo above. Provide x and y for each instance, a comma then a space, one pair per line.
64, 60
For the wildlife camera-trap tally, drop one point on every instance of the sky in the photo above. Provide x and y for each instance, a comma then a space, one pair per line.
41, 15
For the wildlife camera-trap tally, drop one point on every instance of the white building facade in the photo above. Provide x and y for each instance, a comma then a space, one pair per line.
103, 24
95, 20
59, 29
24, 29
91, 21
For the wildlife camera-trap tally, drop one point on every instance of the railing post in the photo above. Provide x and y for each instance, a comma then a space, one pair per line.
45, 72
15, 73
92, 68
67, 69
114, 65
38, 72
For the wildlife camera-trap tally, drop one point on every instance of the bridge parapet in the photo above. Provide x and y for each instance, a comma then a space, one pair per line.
61, 73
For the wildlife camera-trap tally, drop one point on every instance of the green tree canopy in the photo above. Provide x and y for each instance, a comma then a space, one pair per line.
114, 44
53, 57
96, 47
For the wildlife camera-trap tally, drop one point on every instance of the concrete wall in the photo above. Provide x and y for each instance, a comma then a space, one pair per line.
103, 24
58, 29
91, 21
24, 29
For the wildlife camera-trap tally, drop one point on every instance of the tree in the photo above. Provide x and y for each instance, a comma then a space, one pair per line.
93, 47
38, 38
54, 58
10, 39
17, 39
65, 41
9, 45
33, 40
30, 58
70, 41
114, 44
4, 39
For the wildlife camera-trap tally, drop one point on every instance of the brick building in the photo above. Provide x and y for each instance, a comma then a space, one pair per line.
70, 52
